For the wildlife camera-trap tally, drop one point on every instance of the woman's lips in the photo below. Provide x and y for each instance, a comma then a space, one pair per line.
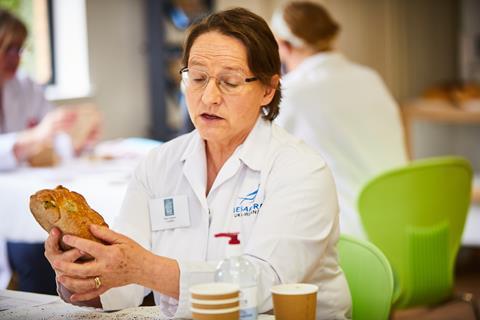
208, 116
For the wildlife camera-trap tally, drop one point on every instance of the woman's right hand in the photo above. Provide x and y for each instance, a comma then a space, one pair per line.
54, 253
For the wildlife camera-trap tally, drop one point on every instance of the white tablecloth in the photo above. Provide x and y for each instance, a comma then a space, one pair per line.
38, 306
471, 232
102, 183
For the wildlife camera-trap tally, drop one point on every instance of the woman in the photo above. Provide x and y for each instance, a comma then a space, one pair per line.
27, 120
338, 107
288, 229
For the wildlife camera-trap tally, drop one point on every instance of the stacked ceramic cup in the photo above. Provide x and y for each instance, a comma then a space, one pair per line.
215, 301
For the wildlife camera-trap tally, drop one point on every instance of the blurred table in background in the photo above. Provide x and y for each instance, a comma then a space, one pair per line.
471, 233
101, 178
437, 111
101, 182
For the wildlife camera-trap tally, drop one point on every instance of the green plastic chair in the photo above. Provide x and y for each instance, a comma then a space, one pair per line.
369, 278
415, 215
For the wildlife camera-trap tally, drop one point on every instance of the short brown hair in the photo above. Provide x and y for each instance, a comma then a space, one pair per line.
11, 27
252, 30
312, 23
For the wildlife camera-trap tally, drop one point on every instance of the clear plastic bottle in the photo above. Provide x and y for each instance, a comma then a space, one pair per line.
238, 270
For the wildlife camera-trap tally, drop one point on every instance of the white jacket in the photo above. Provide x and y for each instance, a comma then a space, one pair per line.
24, 105
274, 190
345, 112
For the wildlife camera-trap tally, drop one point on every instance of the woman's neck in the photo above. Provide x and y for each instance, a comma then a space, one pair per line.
217, 154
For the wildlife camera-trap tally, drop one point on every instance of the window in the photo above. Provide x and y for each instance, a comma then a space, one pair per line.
56, 53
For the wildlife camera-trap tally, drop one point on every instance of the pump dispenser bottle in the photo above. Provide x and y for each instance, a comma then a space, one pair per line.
236, 269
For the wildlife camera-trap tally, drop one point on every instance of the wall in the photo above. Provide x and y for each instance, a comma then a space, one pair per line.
117, 52
413, 45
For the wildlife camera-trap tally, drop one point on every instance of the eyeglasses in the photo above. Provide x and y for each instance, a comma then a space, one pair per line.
13, 50
229, 83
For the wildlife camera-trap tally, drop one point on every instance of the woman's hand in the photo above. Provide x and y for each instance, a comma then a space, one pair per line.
32, 141
53, 252
58, 120
121, 262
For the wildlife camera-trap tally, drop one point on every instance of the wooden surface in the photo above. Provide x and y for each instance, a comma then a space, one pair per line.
436, 111
476, 194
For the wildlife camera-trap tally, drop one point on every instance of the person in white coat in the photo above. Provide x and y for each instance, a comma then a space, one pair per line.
236, 172
340, 108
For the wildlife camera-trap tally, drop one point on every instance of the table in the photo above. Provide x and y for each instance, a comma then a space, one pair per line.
102, 183
25, 305
436, 111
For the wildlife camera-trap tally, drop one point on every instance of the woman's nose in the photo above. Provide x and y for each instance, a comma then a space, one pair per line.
211, 93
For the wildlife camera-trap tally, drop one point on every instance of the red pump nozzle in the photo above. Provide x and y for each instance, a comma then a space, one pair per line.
232, 235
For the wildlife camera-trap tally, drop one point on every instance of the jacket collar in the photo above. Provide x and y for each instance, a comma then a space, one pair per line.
250, 152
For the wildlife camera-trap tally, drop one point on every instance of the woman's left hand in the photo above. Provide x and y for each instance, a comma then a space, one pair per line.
119, 263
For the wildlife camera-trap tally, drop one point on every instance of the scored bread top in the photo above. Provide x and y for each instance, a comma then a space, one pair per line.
66, 210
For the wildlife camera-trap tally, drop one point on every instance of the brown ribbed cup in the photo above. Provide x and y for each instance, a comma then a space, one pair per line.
295, 301
215, 301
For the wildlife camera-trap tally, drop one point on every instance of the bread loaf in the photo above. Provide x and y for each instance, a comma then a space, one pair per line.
66, 210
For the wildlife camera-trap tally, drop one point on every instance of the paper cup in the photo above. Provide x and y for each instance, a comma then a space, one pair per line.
215, 301
295, 301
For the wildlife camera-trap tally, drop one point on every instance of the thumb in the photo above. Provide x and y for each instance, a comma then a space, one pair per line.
105, 234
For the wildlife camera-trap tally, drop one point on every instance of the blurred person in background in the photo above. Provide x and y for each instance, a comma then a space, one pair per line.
342, 109
28, 125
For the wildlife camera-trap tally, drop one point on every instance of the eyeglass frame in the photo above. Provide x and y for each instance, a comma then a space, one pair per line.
186, 69
12, 50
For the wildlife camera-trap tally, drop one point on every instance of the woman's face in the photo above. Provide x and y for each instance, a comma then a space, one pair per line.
10, 58
224, 118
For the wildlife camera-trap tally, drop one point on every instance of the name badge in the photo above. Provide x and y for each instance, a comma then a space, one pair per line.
169, 213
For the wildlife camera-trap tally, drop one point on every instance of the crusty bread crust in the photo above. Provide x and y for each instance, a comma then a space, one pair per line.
66, 210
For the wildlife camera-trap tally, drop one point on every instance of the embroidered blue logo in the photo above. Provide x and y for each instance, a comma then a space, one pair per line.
247, 205
250, 197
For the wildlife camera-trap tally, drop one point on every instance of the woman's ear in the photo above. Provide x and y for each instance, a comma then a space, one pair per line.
271, 89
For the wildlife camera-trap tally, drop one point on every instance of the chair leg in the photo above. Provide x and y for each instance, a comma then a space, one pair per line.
470, 299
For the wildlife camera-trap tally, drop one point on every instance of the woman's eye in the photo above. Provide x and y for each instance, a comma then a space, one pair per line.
230, 82
198, 79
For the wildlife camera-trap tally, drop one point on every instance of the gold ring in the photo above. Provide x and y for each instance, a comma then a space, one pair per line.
98, 282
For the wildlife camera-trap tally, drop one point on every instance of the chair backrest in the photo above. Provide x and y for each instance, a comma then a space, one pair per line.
415, 215
369, 278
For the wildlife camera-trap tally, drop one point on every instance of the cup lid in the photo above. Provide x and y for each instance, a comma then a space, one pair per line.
294, 288
214, 288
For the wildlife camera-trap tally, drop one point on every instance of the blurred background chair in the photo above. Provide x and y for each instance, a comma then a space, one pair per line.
369, 278
416, 215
